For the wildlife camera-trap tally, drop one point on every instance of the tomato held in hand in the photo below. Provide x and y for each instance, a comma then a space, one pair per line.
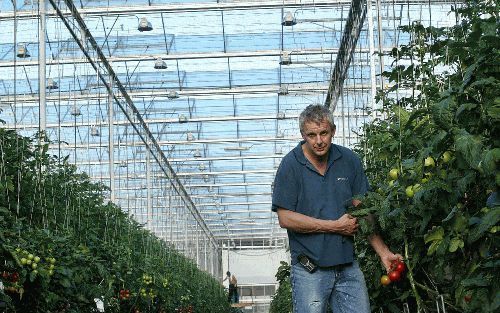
394, 276
400, 267
384, 280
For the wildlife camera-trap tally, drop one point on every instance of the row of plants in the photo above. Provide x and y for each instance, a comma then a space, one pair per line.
64, 249
432, 161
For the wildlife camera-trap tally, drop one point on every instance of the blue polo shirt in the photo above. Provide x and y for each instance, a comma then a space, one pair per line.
299, 187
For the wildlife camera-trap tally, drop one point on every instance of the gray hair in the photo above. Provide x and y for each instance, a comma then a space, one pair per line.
315, 113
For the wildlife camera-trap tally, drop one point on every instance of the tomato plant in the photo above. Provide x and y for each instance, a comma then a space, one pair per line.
442, 211
87, 249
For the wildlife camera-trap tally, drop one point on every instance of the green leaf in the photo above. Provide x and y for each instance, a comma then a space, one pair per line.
464, 107
460, 223
494, 110
489, 160
434, 234
469, 147
450, 215
490, 219
441, 112
455, 243
434, 246
478, 281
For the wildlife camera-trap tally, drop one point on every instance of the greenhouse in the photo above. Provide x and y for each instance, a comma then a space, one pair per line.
145, 151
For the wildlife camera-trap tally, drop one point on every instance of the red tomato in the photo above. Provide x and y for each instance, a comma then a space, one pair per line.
14, 277
467, 298
400, 267
394, 276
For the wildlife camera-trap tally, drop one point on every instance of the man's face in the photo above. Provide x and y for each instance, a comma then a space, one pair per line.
318, 137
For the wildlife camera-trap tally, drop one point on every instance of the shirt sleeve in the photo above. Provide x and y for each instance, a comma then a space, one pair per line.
360, 185
285, 188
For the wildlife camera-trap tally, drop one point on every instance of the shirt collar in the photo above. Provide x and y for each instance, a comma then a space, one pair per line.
334, 153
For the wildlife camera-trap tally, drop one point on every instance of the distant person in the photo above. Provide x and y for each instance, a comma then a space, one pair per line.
315, 183
233, 290
228, 276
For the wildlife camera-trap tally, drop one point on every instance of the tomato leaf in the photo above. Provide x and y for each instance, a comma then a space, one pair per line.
455, 243
434, 246
434, 234
489, 160
490, 219
470, 147
478, 281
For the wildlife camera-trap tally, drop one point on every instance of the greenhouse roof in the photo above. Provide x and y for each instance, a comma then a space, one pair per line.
216, 88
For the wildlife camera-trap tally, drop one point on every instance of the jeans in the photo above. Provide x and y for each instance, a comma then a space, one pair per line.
343, 287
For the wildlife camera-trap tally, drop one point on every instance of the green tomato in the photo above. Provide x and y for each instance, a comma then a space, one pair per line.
36, 259
30, 256
394, 173
429, 162
446, 156
34, 266
409, 192
23, 261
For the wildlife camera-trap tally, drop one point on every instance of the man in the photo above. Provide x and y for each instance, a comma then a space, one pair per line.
314, 185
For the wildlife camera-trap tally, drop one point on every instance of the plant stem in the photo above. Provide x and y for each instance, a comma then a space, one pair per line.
436, 293
420, 305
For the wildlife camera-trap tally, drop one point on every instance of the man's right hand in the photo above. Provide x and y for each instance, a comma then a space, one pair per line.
346, 225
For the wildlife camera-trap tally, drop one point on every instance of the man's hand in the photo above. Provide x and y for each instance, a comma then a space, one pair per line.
389, 258
347, 225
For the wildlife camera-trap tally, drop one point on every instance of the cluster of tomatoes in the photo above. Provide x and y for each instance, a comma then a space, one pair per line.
185, 309
10, 277
397, 271
147, 279
32, 261
124, 294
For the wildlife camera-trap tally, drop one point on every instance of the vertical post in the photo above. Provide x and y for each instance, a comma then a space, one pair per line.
111, 146
380, 42
41, 67
205, 255
372, 52
148, 188
197, 246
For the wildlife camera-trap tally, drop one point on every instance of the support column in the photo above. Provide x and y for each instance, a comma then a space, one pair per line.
380, 42
373, 82
148, 188
41, 67
111, 143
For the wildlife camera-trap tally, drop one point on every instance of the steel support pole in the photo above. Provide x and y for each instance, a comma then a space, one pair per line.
111, 143
380, 42
42, 68
148, 188
373, 78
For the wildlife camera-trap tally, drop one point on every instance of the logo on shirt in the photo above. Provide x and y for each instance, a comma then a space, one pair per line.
342, 179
